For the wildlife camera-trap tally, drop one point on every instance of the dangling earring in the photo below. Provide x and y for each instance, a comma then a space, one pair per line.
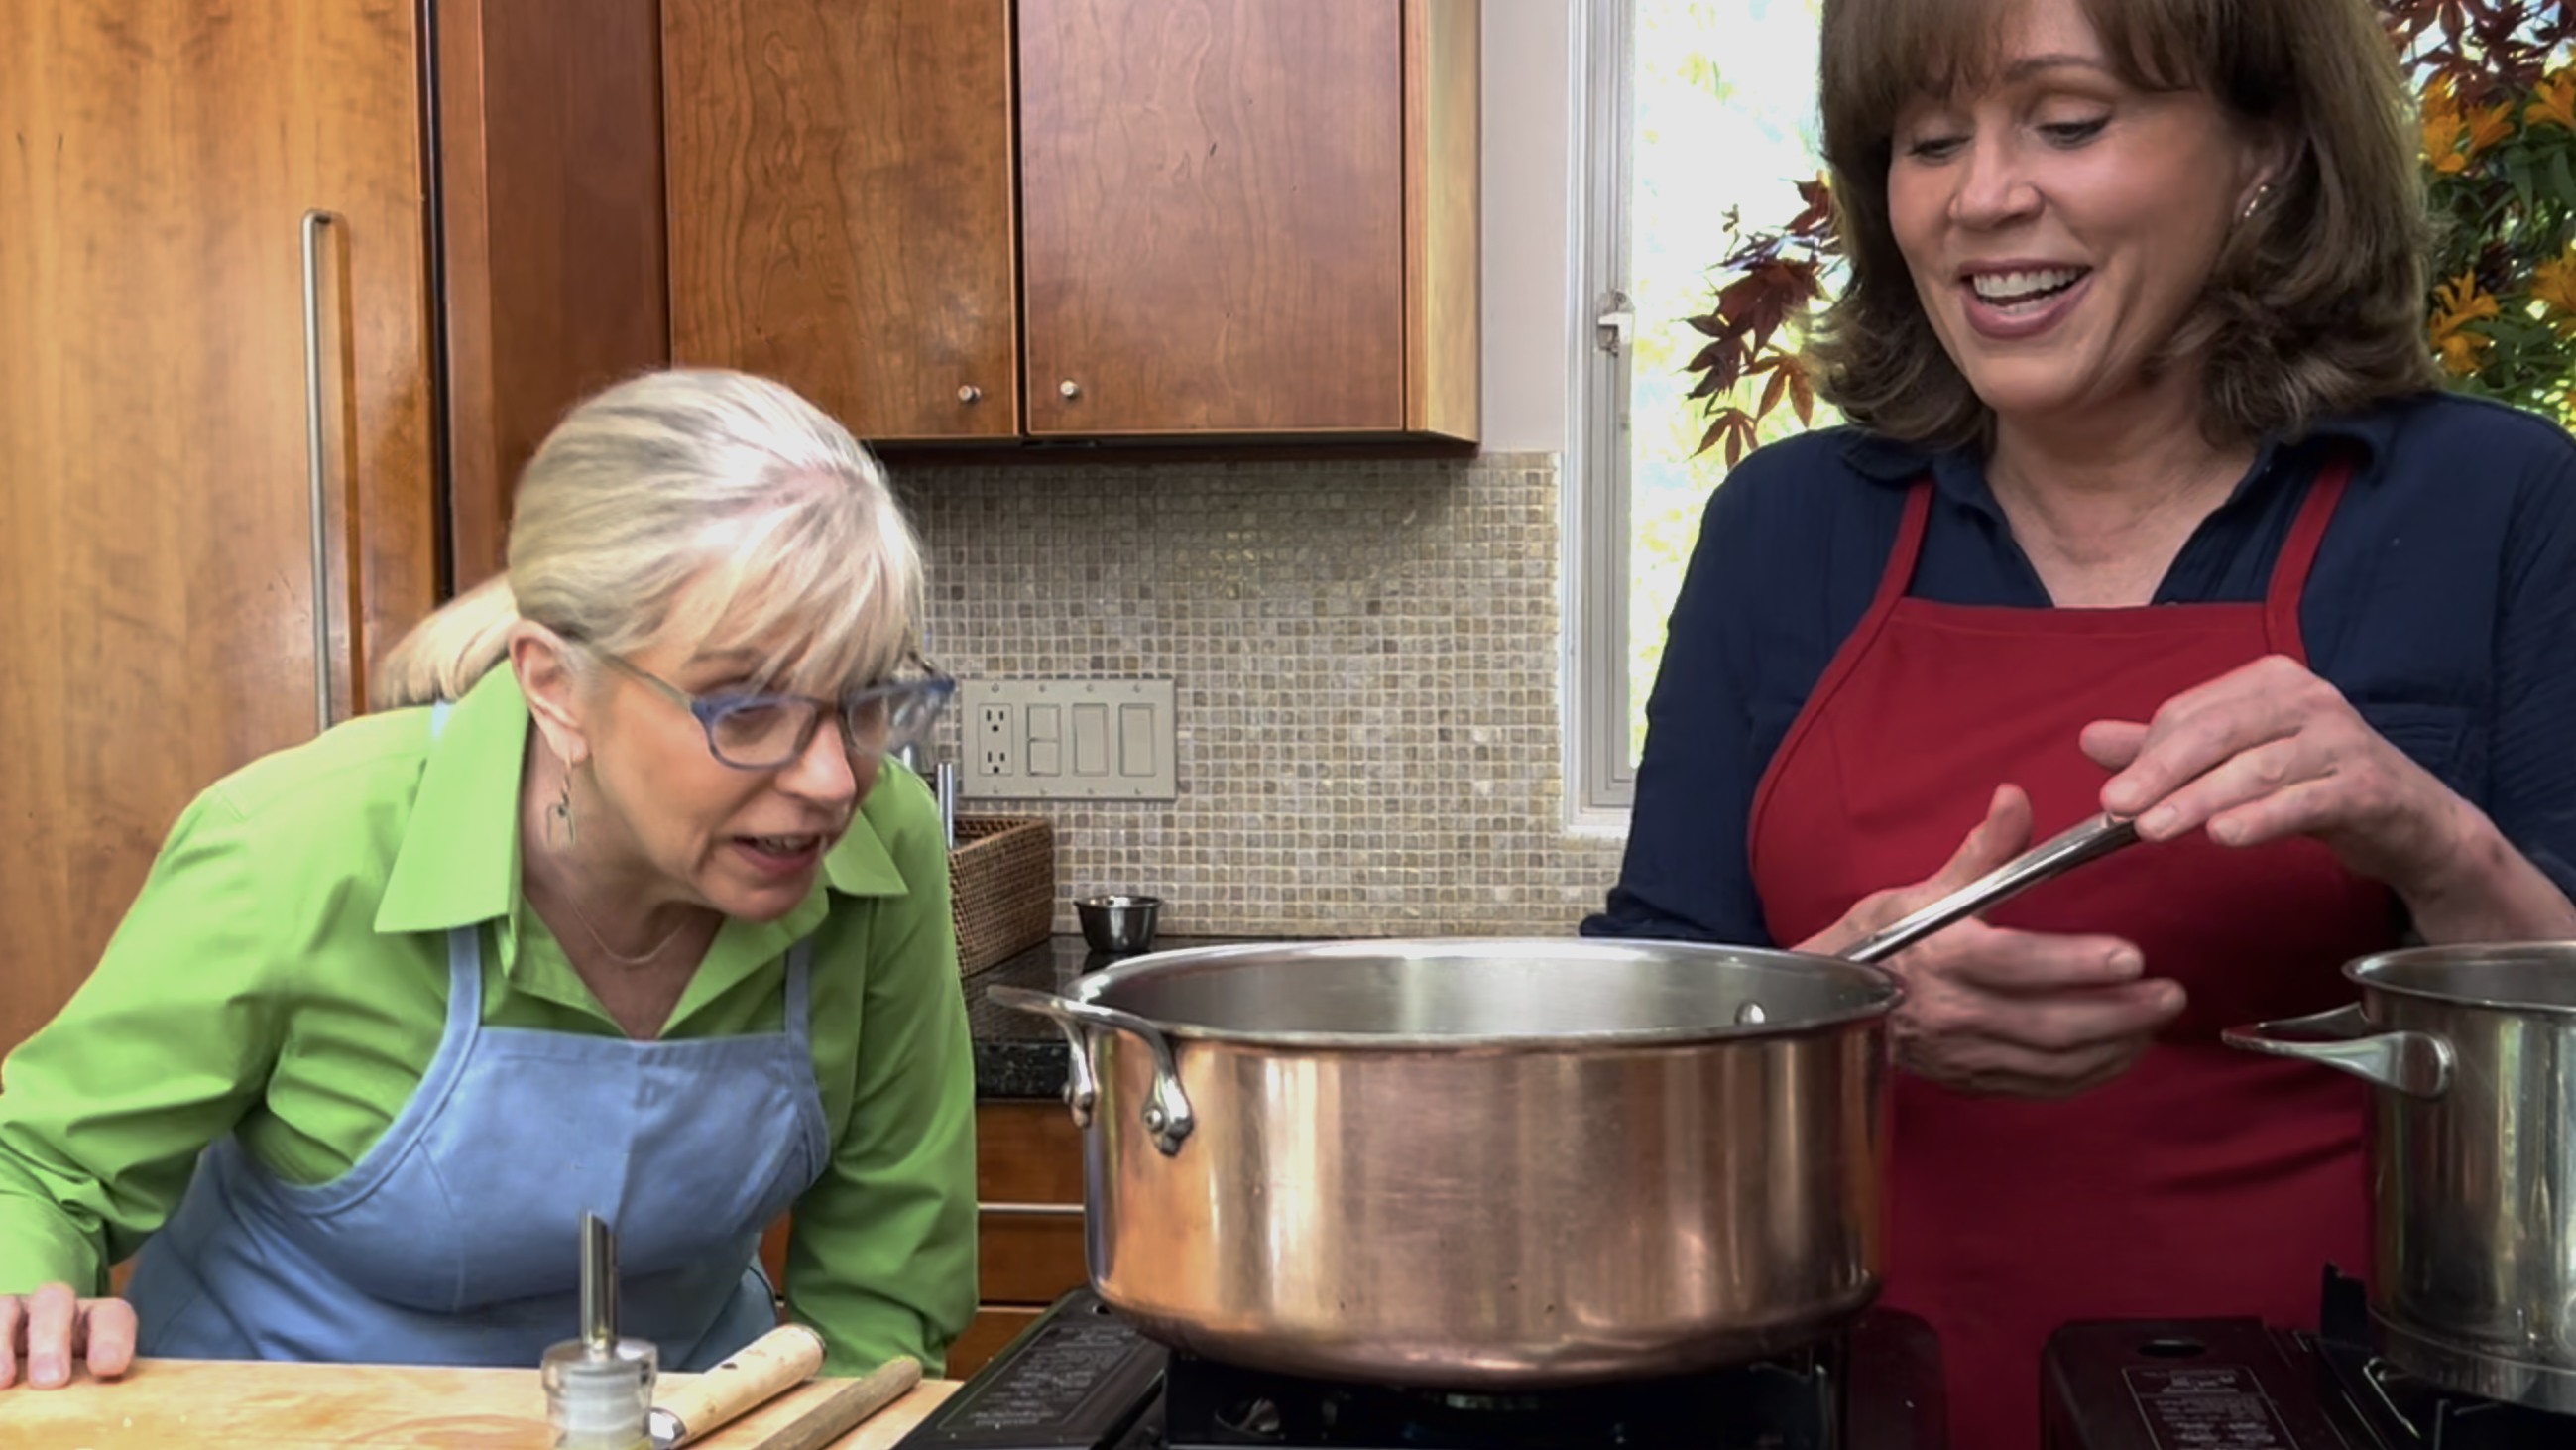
2254, 203
559, 816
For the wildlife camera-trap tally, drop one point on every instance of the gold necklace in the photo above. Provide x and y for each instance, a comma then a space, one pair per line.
613, 953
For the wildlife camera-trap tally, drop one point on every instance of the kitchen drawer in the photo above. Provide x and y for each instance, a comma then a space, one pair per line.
1027, 1152
1028, 1186
994, 1327
1028, 1231
1027, 1257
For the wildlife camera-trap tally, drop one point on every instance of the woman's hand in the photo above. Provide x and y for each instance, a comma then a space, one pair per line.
2021, 1013
2269, 751
46, 1329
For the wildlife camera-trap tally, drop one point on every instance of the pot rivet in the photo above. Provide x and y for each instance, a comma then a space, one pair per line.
1154, 1119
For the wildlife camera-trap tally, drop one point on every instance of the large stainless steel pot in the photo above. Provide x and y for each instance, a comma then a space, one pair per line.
1481, 1163
2473, 1170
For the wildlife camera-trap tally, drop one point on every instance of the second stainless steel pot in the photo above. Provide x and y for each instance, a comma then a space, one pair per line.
1482, 1163
2472, 1050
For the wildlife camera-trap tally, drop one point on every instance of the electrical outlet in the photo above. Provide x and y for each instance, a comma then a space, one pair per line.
1071, 740
995, 750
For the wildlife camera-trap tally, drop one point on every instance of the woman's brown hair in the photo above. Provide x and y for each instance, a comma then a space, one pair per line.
2316, 303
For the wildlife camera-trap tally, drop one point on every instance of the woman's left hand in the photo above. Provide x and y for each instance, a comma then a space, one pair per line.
2268, 751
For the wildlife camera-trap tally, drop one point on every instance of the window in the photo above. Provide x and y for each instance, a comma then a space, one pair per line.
1689, 110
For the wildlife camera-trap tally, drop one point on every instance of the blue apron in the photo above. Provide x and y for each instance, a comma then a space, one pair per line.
456, 1239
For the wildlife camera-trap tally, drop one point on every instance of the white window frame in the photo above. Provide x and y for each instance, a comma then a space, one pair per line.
1595, 493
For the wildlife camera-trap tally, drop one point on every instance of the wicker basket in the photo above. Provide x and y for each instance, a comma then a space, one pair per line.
1001, 877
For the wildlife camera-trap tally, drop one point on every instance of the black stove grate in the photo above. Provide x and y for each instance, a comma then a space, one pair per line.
1793, 1402
1082, 1379
2409, 1413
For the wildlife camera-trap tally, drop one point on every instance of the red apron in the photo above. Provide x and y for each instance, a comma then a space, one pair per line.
2206, 1181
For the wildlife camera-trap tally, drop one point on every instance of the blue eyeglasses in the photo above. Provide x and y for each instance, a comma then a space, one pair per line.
768, 732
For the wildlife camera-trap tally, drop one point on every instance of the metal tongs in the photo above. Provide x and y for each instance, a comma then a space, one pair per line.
2089, 841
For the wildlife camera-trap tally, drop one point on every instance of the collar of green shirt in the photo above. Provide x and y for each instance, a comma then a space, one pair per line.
459, 860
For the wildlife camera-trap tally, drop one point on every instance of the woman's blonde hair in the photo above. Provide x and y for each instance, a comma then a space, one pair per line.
2316, 305
674, 475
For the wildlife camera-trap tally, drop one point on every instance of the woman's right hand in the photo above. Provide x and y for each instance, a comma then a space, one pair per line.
44, 1331
2008, 1012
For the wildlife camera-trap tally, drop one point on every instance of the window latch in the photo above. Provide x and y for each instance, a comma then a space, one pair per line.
1616, 323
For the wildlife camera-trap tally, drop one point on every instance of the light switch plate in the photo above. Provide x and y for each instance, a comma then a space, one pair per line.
1069, 740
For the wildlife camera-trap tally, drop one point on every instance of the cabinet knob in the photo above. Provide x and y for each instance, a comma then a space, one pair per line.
969, 393
1069, 388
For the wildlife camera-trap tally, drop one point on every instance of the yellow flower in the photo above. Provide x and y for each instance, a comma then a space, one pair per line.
2458, 303
2554, 102
2443, 127
2460, 351
2553, 286
2461, 301
2492, 125
2446, 127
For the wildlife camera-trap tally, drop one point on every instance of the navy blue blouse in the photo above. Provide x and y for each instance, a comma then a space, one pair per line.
2442, 604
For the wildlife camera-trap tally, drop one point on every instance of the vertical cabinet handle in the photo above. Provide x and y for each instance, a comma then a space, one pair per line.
316, 469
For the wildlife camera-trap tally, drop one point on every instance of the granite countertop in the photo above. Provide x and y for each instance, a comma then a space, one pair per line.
1021, 1054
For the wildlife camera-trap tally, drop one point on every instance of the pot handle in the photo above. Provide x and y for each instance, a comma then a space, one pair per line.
1167, 1114
2418, 1064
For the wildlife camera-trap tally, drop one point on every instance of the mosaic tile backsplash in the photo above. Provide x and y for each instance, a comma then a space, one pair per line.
1364, 657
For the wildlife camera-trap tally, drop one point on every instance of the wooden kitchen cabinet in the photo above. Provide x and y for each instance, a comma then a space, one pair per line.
184, 481
1249, 217
1028, 1232
1028, 1186
555, 278
1152, 219
841, 205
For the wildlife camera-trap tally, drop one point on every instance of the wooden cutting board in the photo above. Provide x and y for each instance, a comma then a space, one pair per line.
186, 1404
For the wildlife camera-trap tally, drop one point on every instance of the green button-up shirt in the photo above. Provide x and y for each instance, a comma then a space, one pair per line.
283, 976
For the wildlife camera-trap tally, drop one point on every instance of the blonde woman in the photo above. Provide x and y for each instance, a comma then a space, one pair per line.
615, 910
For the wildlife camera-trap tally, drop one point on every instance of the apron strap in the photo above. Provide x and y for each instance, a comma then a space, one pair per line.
1909, 547
1892, 585
800, 978
464, 943
2299, 555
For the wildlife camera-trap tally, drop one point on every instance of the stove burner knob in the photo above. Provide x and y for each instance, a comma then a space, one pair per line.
1258, 1418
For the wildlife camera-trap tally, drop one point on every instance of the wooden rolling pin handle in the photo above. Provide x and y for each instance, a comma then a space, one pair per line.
846, 1408
757, 1373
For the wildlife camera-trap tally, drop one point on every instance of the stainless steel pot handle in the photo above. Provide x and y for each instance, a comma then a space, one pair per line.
1081, 1088
2088, 841
2418, 1064
1167, 1114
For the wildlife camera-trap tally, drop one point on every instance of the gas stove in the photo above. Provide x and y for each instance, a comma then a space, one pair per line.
2238, 1384
1083, 1379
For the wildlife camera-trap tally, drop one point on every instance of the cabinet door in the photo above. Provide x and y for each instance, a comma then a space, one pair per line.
1214, 209
840, 205
553, 277
157, 540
